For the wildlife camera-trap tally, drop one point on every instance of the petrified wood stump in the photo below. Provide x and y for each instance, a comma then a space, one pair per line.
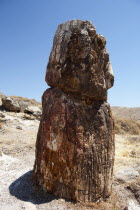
75, 142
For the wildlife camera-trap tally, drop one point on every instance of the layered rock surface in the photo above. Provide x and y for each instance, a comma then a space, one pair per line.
10, 104
20, 104
75, 143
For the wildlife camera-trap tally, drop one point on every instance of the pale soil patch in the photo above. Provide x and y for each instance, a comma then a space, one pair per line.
127, 167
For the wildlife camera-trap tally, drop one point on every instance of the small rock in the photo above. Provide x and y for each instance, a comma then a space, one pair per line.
29, 206
37, 115
29, 117
2, 115
19, 127
61, 200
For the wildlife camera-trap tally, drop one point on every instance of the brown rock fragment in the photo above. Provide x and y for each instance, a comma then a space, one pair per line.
75, 142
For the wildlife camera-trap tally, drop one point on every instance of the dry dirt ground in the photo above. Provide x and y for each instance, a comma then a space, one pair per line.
17, 148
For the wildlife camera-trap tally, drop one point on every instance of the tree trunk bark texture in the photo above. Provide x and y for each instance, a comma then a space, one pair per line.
75, 142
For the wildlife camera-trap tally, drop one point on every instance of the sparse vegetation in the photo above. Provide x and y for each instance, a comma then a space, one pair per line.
127, 120
127, 126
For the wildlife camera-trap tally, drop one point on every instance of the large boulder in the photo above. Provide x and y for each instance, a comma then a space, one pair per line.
23, 105
10, 104
34, 110
75, 142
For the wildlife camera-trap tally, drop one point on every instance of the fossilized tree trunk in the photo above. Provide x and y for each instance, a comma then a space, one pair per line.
75, 142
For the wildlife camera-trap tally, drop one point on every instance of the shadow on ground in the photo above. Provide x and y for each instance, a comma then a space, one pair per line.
23, 189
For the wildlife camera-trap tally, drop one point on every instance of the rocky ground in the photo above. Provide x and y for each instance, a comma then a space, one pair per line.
17, 147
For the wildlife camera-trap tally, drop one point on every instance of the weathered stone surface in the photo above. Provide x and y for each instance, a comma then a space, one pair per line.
79, 61
10, 104
75, 142
75, 147
23, 105
34, 110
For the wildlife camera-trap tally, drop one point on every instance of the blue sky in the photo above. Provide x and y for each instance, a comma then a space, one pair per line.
27, 28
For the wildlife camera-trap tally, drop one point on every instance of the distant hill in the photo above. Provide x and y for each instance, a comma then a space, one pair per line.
127, 120
127, 113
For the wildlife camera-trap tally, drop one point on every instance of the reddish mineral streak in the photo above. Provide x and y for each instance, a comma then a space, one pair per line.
75, 142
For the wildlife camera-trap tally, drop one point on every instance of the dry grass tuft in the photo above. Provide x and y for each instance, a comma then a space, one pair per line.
127, 153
